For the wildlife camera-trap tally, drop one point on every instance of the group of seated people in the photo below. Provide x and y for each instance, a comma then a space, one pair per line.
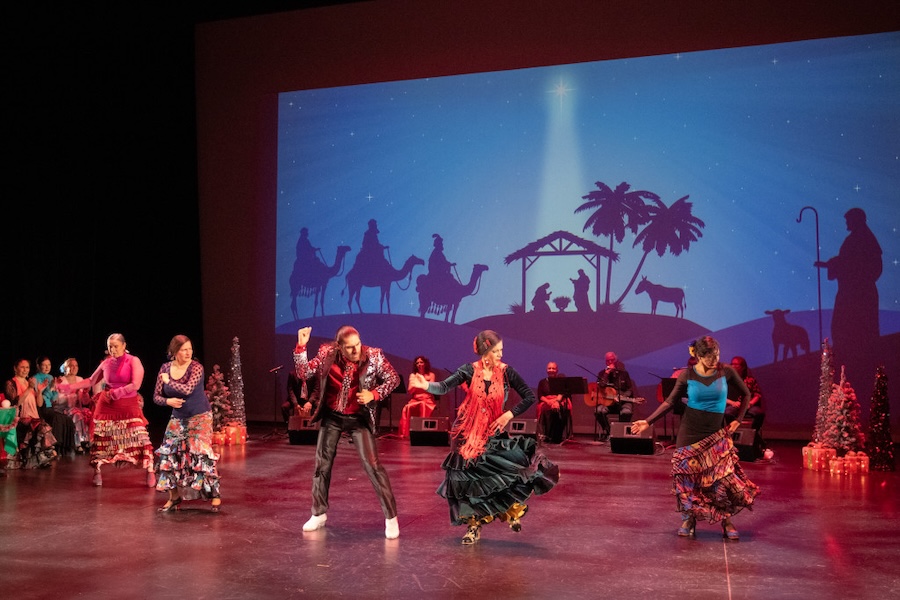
38, 423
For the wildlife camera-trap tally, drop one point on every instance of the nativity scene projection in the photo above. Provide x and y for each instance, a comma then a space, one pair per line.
620, 205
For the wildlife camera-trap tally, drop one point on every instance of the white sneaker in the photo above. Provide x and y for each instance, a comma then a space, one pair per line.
391, 529
315, 522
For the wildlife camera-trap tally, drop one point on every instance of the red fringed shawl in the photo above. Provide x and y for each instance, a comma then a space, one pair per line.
479, 410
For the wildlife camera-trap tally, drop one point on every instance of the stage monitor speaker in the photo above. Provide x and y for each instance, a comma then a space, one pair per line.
745, 443
622, 441
526, 427
429, 431
302, 431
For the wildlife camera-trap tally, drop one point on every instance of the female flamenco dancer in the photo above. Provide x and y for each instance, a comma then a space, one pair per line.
187, 462
708, 481
489, 474
120, 429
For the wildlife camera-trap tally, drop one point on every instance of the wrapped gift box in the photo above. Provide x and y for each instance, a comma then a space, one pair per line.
235, 435
836, 465
218, 438
856, 463
817, 458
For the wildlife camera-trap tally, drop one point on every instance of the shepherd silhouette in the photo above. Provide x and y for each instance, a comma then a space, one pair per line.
854, 324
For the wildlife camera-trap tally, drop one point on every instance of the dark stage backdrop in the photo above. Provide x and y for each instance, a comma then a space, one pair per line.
248, 69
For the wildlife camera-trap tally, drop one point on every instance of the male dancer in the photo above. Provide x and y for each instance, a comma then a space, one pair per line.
350, 377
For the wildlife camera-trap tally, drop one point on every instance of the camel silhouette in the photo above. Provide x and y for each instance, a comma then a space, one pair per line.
311, 279
446, 299
358, 278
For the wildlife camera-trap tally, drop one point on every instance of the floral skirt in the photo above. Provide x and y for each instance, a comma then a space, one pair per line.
120, 433
508, 472
708, 481
187, 462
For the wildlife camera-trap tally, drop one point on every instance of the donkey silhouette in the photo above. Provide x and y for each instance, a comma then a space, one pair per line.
791, 338
660, 293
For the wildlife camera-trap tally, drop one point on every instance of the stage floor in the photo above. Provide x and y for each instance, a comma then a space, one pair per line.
606, 531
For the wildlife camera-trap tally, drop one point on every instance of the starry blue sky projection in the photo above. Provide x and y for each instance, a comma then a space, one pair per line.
494, 161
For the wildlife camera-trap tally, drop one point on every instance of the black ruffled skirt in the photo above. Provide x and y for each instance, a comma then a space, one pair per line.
509, 471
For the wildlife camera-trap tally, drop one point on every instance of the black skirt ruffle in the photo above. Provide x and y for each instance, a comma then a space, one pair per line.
509, 471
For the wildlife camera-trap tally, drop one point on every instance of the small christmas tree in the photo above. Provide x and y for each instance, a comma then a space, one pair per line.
826, 382
881, 447
218, 396
842, 428
236, 385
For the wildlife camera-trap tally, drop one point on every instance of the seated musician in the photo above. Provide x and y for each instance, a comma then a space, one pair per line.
297, 403
614, 381
554, 411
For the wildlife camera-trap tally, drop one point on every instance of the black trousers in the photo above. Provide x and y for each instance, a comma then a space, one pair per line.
332, 426
623, 409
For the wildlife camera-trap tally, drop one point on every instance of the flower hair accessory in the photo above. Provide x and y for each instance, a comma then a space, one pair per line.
486, 342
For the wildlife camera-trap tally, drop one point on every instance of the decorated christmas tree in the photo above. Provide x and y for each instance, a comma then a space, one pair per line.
236, 385
842, 428
881, 447
218, 396
826, 382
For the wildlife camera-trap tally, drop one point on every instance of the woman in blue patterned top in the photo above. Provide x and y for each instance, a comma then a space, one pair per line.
186, 459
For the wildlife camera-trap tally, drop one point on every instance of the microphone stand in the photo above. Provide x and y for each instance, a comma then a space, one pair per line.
275, 433
596, 404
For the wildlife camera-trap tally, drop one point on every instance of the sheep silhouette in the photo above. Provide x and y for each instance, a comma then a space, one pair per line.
787, 336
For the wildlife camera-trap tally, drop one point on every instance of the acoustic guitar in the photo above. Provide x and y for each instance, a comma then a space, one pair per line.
606, 396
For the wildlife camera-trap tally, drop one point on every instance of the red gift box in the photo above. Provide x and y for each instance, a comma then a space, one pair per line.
235, 435
817, 457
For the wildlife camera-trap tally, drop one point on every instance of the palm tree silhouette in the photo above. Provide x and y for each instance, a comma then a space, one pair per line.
614, 211
669, 228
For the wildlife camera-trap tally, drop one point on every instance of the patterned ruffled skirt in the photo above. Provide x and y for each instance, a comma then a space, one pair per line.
37, 446
708, 481
120, 433
187, 461
508, 472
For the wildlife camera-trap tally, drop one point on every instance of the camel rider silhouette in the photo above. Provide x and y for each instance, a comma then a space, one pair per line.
371, 254
438, 266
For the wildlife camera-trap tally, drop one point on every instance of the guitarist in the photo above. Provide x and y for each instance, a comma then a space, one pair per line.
616, 386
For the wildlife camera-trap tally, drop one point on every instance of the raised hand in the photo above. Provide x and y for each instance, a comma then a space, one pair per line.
417, 380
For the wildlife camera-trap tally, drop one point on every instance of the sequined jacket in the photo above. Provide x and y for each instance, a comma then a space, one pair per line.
375, 373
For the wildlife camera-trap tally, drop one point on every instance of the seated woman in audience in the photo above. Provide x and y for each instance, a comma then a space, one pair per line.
420, 403
35, 436
76, 404
63, 427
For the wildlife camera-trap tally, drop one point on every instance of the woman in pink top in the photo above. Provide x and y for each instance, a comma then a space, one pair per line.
120, 429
